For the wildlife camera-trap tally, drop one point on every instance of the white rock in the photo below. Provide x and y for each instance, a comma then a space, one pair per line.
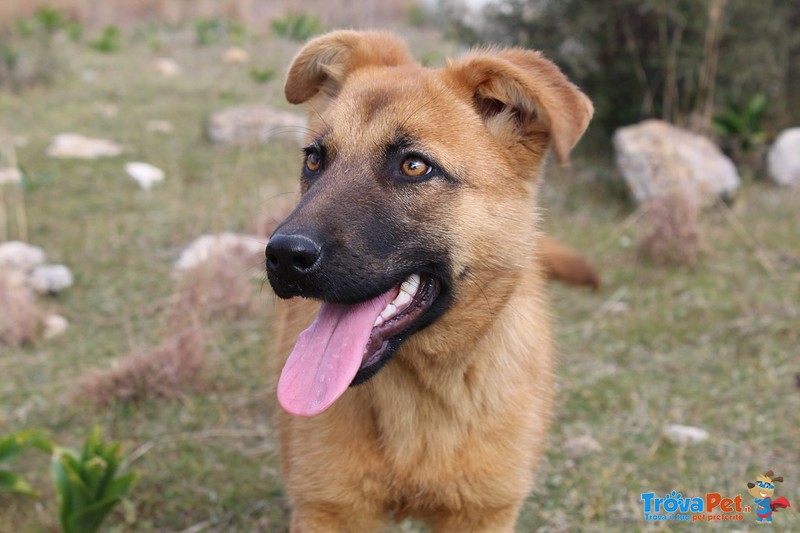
145, 174
50, 278
229, 244
783, 158
658, 159
581, 446
73, 145
9, 175
159, 126
235, 54
20, 255
166, 66
54, 325
680, 434
254, 124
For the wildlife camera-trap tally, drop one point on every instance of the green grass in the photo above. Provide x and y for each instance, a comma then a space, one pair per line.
716, 345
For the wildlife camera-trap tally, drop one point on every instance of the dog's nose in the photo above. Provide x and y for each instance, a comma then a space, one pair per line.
292, 255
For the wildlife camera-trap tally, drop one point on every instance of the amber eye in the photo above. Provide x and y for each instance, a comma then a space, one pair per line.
415, 167
313, 161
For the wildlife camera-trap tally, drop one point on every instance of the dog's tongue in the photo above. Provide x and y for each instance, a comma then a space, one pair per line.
328, 354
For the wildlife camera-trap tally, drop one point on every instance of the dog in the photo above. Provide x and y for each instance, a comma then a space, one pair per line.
416, 363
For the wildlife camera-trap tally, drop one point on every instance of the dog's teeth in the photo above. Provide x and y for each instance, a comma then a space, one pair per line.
388, 312
411, 284
402, 300
378, 321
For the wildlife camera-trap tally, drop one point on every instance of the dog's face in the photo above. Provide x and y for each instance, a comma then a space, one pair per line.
417, 198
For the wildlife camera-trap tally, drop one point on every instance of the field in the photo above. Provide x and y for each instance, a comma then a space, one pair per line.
715, 345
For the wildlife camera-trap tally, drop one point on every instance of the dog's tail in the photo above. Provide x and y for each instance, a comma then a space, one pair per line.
565, 264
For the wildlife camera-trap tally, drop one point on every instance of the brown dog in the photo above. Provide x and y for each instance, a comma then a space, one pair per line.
423, 387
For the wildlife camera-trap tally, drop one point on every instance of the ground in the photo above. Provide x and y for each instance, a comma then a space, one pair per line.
716, 345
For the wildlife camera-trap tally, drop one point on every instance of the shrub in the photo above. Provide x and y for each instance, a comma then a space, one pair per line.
261, 75
109, 41
297, 26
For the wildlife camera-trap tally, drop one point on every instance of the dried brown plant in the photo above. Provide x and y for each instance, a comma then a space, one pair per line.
673, 237
20, 317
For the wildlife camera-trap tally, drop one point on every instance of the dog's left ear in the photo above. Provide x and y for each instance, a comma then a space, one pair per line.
525, 87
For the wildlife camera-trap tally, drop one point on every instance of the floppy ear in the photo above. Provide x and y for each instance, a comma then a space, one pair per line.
324, 63
528, 90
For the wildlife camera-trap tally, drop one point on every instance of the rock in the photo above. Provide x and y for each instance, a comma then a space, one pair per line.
54, 325
9, 175
230, 244
72, 145
679, 434
254, 123
51, 279
145, 174
159, 126
582, 446
166, 66
235, 54
20, 255
783, 158
657, 159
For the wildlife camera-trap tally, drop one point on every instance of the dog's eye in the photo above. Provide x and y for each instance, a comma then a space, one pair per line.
415, 167
313, 160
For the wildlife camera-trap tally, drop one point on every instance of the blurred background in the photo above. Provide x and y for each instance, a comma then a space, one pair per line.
146, 153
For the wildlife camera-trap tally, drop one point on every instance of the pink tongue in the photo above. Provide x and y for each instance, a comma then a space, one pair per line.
328, 354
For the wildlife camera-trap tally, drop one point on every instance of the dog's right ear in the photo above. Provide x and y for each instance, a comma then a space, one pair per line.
325, 62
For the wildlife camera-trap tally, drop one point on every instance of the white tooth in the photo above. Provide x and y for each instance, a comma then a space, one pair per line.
378, 321
411, 284
402, 300
388, 312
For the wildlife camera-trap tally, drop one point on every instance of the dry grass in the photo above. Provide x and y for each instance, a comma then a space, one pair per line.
20, 317
674, 234
165, 372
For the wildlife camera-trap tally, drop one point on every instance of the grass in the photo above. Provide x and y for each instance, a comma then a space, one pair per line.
716, 345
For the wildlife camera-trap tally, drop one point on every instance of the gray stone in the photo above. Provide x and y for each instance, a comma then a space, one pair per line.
73, 145
254, 124
145, 174
783, 158
50, 278
658, 159
680, 434
581, 446
227, 244
20, 255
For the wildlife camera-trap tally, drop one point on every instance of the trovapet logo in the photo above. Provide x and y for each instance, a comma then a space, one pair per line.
675, 506
713, 506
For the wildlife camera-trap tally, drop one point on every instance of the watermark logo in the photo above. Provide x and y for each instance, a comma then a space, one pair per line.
762, 491
675, 506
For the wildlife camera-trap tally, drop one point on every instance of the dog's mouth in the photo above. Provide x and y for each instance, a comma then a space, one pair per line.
348, 343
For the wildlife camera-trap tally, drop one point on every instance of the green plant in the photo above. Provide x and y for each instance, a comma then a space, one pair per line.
109, 41
12, 446
297, 26
261, 75
49, 19
87, 483
213, 31
741, 126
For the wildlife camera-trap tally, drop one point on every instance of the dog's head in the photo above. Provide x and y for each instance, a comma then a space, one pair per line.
417, 198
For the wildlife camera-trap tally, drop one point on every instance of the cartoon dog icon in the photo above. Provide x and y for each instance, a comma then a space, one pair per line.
762, 490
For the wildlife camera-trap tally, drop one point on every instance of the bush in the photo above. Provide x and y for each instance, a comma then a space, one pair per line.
262, 75
109, 41
209, 32
297, 26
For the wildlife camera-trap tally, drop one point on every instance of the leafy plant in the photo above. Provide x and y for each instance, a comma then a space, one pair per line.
109, 41
742, 126
212, 31
261, 75
87, 483
297, 26
12, 446
49, 19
